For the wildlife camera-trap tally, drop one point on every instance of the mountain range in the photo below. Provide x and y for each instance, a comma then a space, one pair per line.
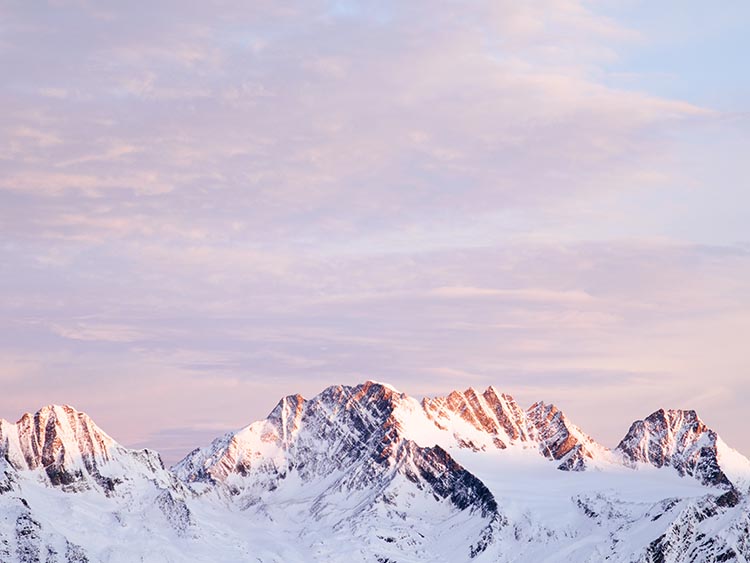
367, 473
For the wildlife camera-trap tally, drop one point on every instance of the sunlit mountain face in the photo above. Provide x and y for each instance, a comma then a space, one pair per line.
531, 216
367, 473
205, 207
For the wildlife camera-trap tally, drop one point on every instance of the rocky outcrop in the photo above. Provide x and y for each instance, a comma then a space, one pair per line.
62, 442
70, 451
561, 440
366, 473
677, 439
701, 530
345, 440
491, 413
496, 415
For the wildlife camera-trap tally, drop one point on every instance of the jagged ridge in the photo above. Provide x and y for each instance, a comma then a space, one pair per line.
69, 449
375, 470
677, 439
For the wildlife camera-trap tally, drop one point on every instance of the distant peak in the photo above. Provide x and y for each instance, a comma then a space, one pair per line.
52, 411
369, 383
492, 390
550, 409
673, 416
58, 408
373, 388
290, 402
455, 395
675, 438
294, 399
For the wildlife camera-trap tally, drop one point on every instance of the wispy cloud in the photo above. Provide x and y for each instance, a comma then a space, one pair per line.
100, 332
539, 295
221, 202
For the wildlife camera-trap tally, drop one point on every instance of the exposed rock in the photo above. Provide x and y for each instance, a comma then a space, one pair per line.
677, 439
28, 539
377, 471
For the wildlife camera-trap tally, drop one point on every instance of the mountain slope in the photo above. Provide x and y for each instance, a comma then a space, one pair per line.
341, 456
366, 473
561, 440
69, 450
61, 477
473, 418
681, 440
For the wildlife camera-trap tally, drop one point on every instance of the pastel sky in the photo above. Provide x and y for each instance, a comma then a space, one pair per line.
205, 206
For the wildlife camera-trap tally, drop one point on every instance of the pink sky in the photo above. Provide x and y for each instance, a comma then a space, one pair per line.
205, 208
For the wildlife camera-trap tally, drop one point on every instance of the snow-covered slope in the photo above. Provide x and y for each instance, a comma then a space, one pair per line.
366, 473
69, 492
342, 458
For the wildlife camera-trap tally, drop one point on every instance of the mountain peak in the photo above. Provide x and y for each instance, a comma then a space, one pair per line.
677, 418
55, 409
494, 419
54, 412
679, 439
54, 437
346, 440
367, 472
489, 414
388, 386
561, 440
67, 448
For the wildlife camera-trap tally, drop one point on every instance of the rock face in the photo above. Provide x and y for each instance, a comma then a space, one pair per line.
58, 456
70, 450
366, 473
498, 415
677, 439
692, 535
561, 440
347, 440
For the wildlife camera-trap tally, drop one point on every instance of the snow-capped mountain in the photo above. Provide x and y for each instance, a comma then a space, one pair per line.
67, 489
497, 415
65, 448
680, 439
344, 457
366, 473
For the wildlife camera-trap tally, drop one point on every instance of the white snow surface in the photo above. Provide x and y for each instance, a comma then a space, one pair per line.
735, 465
366, 474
